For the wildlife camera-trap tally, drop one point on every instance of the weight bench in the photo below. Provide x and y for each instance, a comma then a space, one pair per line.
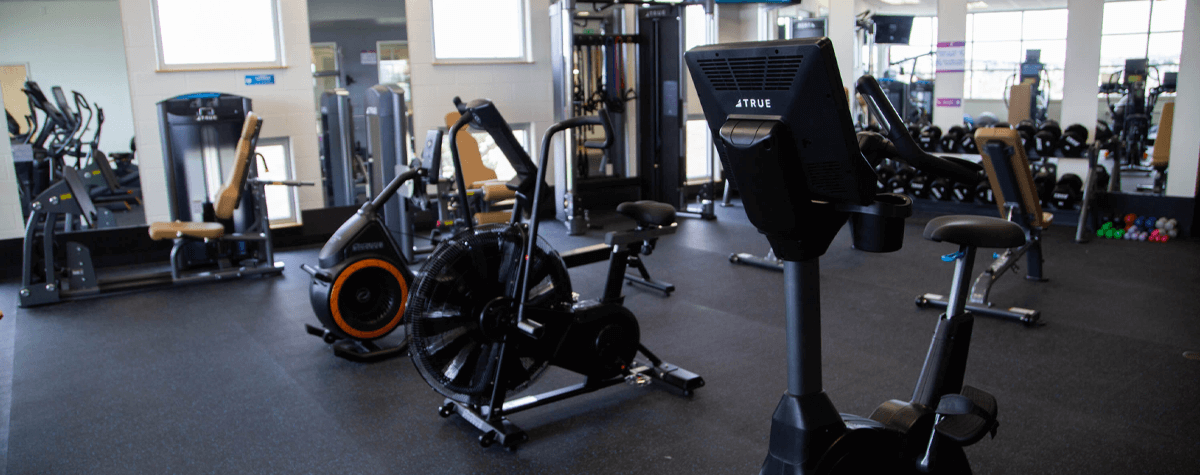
654, 220
228, 198
1008, 172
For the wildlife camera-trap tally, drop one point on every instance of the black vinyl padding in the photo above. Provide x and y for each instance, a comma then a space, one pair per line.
648, 212
978, 231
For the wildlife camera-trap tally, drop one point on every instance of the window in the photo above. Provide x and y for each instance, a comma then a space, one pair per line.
490, 154
193, 35
922, 40
480, 31
996, 46
394, 66
1141, 29
327, 71
281, 200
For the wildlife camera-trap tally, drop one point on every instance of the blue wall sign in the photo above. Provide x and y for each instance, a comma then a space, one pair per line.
259, 79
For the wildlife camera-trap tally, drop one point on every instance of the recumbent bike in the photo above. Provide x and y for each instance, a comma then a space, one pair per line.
796, 158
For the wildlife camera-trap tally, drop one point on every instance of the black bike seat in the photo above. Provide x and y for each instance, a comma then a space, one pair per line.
648, 212
977, 231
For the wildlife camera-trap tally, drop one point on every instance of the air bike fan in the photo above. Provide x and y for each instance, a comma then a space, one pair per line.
493, 308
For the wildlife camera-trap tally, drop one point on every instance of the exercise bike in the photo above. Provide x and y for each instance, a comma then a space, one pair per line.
493, 307
794, 154
361, 282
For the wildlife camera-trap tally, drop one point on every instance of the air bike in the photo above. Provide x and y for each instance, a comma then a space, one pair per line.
493, 307
803, 175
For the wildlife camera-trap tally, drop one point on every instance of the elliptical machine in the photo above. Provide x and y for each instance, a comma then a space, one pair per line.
784, 132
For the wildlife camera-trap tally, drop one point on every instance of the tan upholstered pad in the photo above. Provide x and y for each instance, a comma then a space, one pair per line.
160, 231
231, 191
1020, 169
493, 192
490, 217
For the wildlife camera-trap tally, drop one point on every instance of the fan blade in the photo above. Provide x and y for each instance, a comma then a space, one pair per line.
433, 345
452, 370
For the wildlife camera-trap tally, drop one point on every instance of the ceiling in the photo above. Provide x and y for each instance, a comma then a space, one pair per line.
929, 7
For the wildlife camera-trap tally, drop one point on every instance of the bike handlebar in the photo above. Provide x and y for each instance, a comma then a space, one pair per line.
907, 149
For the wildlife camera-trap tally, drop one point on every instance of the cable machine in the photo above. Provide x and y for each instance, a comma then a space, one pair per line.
623, 59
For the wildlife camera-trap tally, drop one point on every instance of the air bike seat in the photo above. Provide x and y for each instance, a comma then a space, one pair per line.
975, 231
648, 213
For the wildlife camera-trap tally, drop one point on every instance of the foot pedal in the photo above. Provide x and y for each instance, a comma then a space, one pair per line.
678, 377
967, 417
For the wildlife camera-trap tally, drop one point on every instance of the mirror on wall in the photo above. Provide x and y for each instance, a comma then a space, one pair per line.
67, 104
356, 45
1140, 48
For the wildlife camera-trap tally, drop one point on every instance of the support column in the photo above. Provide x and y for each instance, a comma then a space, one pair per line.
948, 87
1084, 18
841, 32
1185, 138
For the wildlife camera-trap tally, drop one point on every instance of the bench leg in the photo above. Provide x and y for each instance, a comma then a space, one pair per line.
645, 279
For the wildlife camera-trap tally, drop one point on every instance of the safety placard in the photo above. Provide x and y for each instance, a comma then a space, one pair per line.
952, 57
260, 79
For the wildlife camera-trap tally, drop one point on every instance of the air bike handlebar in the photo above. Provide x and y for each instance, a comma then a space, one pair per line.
906, 148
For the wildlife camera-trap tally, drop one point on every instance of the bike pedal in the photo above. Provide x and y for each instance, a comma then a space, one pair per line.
967, 417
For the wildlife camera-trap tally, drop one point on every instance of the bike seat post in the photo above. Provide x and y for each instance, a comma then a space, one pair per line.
959, 288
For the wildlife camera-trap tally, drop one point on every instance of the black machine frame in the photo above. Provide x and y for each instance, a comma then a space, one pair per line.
809, 179
42, 282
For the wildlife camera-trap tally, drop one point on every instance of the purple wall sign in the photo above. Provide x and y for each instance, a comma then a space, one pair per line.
949, 102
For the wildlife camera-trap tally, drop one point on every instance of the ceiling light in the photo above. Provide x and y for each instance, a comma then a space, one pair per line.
976, 5
901, 2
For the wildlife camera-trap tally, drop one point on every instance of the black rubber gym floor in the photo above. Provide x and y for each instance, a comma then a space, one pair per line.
222, 378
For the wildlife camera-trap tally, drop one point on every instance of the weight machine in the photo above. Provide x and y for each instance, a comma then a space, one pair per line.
623, 59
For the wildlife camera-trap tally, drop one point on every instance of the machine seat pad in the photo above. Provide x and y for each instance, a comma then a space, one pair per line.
977, 231
648, 212
200, 230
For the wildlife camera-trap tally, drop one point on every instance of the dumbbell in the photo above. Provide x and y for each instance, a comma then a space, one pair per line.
983, 193
900, 182
952, 138
941, 189
967, 143
1027, 130
930, 138
1102, 177
962, 193
1044, 179
1046, 139
1068, 191
1073, 141
918, 187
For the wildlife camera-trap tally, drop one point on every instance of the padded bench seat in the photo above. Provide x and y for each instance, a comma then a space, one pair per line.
198, 230
977, 231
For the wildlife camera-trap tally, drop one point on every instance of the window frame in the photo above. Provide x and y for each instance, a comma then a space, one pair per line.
971, 43
289, 174
526, 56
276, 24
1107, 72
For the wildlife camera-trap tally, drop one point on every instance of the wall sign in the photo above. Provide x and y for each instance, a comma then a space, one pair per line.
368, 57
952, 57
260, 79
949, 102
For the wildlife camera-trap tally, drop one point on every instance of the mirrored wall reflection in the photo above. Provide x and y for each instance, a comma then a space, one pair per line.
1140, 48
67, 105
356, 45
